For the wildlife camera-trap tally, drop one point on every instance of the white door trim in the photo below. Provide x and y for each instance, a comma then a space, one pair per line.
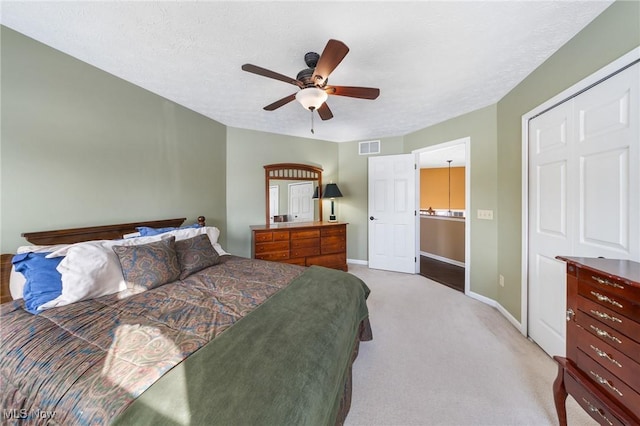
467, 202
572, 91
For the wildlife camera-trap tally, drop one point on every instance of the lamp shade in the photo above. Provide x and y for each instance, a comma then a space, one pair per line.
332, 191
311, 98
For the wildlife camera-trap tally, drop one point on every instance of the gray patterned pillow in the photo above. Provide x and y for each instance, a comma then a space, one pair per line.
150, 265
195, 254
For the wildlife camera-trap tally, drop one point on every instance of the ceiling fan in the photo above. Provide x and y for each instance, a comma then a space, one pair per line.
313, 80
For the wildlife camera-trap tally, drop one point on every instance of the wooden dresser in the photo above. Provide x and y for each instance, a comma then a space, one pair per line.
602, 367
306, 244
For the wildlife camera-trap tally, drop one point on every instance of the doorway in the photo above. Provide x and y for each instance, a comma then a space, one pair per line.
444, 228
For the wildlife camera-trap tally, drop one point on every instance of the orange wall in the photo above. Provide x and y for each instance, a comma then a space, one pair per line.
434, 188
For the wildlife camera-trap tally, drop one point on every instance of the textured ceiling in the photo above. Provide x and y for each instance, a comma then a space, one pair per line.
431, 60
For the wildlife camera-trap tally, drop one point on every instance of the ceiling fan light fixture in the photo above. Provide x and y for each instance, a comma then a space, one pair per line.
311, 98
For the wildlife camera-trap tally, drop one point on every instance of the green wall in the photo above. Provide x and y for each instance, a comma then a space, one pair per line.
247, 152
612, 34
80, 147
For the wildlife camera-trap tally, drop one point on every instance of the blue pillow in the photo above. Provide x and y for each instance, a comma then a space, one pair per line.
145, 231
43, 281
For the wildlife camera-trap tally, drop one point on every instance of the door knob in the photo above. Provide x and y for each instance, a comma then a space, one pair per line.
372, 218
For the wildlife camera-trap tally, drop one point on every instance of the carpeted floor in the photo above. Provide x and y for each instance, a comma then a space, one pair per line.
442, 272
439, 357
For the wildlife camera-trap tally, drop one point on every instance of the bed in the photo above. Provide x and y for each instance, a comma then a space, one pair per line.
235, 341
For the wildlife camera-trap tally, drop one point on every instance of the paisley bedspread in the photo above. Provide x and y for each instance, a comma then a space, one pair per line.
87, 362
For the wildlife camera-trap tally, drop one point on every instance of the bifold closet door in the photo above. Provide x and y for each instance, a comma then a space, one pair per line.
584, 187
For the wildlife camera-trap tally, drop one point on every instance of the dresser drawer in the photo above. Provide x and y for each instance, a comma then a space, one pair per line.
328, 260
590, 403
261, 237
334, 244
304, 252
334, 230
307, 233
609, 383
271, 247
609, 300
307, 242
624, 325
616, 287
609, 335
278, 256
611, 359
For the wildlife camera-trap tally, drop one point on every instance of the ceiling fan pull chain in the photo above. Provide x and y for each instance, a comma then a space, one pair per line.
312, 122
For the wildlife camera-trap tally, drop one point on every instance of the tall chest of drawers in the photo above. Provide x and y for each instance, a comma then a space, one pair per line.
306, 244
602, 367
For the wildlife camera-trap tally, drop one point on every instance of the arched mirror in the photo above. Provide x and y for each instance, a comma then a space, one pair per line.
293, 193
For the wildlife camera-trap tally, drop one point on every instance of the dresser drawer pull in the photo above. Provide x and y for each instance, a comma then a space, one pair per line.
570, 314
604, 381
594, 409
605, 316
603, 298
606, 282
603, 333
603, 354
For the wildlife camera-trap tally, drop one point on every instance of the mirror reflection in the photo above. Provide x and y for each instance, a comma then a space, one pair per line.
290, 191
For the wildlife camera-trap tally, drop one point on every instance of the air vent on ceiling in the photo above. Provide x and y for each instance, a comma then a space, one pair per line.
369, 147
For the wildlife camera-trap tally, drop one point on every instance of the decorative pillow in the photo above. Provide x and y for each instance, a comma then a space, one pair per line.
195, 254
146, 231
43, 281
149, 265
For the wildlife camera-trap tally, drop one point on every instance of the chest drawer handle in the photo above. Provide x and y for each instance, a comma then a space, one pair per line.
603, 354
603, 298
606, 282
604, 381
605, 316
603, 333
594, 409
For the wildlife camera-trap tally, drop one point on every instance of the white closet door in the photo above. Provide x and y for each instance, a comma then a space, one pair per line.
584, 186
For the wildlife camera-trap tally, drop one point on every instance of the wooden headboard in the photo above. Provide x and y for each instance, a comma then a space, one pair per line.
77, 235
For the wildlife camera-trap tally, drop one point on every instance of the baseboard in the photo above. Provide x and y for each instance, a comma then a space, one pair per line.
498, 307
358, 262
442, 259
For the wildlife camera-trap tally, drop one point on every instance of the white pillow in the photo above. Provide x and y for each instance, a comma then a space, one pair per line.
16, 283
90, 269
41, 249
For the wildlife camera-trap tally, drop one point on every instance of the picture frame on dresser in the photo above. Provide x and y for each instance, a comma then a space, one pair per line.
601, 369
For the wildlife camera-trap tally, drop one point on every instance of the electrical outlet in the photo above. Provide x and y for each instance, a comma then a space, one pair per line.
501, 280
485, 214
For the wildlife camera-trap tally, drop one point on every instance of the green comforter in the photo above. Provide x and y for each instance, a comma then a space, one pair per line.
283, 364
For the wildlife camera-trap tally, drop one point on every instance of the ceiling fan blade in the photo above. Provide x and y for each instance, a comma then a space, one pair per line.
279, 103
333, 53
353, 92
324, 112
271, 74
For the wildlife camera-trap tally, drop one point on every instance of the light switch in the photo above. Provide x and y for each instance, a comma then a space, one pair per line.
485, 214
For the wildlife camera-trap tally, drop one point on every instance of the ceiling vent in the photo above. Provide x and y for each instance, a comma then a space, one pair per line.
369, 147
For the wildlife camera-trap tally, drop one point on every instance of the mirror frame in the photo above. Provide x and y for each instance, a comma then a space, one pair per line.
292, 171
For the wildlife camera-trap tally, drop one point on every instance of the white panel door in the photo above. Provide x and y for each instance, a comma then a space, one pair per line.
274, 201
549, 233
301, 207
392, 213
584, 191
607, 139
